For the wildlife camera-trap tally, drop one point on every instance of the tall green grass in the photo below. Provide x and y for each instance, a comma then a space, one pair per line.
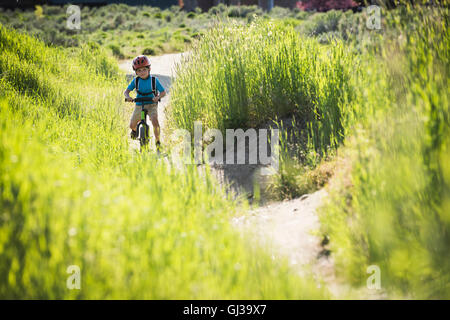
390, 205
241, 76
72, 193
384, 96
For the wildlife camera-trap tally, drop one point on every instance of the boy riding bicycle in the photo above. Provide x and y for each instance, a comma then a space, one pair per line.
146, 86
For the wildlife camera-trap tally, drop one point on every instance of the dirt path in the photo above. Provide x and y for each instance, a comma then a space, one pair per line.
289, 230
287, 227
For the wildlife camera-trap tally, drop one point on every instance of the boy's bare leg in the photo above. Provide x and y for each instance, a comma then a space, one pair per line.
135, 118
156, 129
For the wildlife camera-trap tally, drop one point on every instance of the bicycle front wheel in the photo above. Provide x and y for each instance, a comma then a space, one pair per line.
143, 135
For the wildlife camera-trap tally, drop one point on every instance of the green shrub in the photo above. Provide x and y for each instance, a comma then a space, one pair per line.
175, 9
302, 15
149, 51
219, 9
39, 12
133, 11
118, 21
281, 13
168, 17
234, 12
52, 10
322, 22
116, 51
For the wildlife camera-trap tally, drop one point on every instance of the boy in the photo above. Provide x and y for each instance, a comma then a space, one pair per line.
141, 65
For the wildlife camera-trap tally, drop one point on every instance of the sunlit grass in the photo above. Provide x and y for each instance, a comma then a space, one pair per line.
242, 76
72, 193
391, 208
381, 104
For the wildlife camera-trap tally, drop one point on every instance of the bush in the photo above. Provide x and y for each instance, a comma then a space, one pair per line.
175, 9
234, 12
149, 51
322, 22
133, 11
246, 11
52, 10
302, 15
168, 17
280, 13
116, 51
219, 9
119, 20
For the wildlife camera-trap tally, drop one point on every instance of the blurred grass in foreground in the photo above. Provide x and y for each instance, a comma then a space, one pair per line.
389, 204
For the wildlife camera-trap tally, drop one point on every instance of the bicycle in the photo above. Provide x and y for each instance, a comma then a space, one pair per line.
142, 126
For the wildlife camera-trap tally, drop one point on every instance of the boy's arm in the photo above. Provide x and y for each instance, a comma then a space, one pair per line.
126, 93
162, 91
159, 96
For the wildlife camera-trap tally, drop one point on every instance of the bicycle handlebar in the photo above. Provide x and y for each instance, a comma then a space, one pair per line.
142, 99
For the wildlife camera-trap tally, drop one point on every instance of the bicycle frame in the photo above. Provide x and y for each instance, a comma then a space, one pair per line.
143, 134
143, 123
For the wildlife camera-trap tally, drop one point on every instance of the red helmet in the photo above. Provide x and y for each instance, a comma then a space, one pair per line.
140, 61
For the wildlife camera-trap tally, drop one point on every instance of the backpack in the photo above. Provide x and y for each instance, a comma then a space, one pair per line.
154, 90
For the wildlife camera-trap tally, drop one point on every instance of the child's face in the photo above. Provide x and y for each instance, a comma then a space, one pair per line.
143, 72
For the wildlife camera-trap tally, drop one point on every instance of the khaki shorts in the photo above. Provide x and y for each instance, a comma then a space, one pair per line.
152, 110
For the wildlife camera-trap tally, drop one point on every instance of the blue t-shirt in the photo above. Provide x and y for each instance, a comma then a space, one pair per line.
145, 86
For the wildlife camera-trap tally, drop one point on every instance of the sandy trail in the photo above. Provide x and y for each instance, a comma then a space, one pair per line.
287, 227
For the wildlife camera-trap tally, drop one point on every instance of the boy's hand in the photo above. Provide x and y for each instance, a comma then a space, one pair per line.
129, 99
155, 99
